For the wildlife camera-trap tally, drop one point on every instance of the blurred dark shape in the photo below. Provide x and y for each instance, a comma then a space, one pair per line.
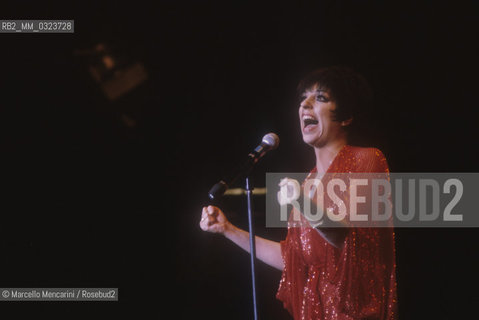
116, 73
128, 121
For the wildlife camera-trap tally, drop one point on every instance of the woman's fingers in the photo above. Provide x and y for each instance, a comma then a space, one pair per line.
212, 211
204, 222
211, 215
208, 217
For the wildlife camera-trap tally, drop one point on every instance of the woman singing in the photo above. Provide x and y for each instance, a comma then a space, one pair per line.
329, 273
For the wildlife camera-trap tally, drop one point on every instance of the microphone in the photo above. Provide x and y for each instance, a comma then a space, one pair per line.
269, 142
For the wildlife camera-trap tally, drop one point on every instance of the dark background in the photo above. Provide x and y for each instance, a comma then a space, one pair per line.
87, 201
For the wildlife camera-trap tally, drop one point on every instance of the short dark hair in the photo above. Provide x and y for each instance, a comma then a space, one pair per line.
349, 90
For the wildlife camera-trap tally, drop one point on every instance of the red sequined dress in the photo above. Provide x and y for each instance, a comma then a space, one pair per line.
357, 281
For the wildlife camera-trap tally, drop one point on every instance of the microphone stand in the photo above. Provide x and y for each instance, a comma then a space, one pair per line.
252, 244
269, 142
218, 190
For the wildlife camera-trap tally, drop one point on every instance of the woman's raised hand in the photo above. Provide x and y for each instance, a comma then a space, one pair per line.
213, 220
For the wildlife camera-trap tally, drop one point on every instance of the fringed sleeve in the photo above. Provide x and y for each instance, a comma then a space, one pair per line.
366, 268
294, 274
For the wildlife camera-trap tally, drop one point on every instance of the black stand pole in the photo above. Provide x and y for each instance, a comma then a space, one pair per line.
252, 245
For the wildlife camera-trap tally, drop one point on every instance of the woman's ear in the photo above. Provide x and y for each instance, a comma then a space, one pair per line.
346, 122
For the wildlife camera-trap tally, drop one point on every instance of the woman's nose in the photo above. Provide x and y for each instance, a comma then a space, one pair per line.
307, 103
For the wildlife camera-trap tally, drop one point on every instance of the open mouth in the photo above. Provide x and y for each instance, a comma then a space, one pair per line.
309, 121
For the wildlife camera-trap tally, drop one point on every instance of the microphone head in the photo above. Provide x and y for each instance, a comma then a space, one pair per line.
271, 140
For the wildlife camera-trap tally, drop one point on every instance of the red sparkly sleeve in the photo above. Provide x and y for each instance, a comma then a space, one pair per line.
294, 273
284, 290
366, 267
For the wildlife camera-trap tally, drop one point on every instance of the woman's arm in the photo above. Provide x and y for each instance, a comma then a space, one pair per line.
266, 250
214, 220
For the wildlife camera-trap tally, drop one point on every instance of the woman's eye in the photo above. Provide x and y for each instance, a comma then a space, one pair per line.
322, 98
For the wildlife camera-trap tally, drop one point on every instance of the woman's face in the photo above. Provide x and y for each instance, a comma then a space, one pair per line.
316, 117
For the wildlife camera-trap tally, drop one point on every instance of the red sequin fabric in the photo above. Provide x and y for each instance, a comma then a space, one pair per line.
356, 281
